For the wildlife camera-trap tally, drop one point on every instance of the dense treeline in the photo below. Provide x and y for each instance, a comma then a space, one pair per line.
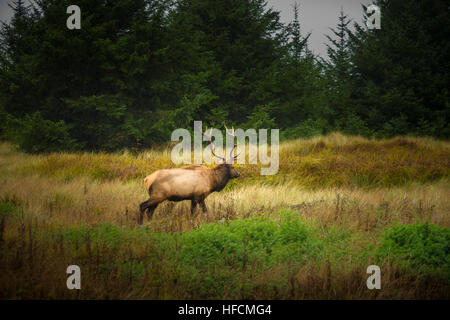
137, 69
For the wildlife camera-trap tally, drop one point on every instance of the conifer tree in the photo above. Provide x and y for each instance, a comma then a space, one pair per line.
338, 50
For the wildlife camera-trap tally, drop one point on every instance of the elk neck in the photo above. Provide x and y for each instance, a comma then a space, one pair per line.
219, 177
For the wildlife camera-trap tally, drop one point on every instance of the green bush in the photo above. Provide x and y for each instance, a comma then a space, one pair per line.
260, 118
307, 129
424, 247
211, 255
35, 134
236, 241
353, 124
7, 208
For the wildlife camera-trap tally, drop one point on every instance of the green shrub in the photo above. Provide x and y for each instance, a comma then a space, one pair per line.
353, 124
212, 255
7, 208
236, 241
306, 129
260, 118
424, 247
35, 134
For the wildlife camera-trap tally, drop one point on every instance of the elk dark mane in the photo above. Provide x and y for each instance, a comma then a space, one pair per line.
220, 177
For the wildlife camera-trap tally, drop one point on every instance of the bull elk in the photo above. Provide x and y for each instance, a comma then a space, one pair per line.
193, 183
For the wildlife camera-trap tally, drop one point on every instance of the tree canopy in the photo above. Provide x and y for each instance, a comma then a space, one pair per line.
138, 69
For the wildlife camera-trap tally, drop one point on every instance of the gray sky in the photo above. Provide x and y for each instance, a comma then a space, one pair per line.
5, 11
315, 16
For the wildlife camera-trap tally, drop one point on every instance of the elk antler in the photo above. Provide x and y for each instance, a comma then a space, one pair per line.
208, 136
231, 133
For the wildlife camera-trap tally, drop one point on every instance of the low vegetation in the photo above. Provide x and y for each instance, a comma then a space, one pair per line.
338, 205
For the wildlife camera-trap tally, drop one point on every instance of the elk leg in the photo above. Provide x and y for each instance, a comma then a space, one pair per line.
141, 217
203, 205
193, 206
150, 211
142, 208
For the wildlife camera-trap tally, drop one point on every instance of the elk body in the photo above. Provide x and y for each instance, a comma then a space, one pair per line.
193, 183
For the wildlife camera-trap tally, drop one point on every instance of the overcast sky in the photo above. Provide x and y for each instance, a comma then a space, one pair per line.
315, 16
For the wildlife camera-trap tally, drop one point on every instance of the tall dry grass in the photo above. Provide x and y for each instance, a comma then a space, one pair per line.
332, 161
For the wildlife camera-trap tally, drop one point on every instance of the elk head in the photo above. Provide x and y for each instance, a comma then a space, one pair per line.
227, 163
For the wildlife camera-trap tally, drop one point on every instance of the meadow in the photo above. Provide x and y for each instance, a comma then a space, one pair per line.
338, 204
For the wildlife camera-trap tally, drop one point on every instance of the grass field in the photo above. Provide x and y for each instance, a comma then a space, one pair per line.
337, 205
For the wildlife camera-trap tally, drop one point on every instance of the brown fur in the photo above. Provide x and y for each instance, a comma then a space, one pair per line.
193, 183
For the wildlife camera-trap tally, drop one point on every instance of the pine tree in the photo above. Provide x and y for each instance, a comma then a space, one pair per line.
401, 70
298, 43
18, 42
343, 115
297, 78
339, 56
